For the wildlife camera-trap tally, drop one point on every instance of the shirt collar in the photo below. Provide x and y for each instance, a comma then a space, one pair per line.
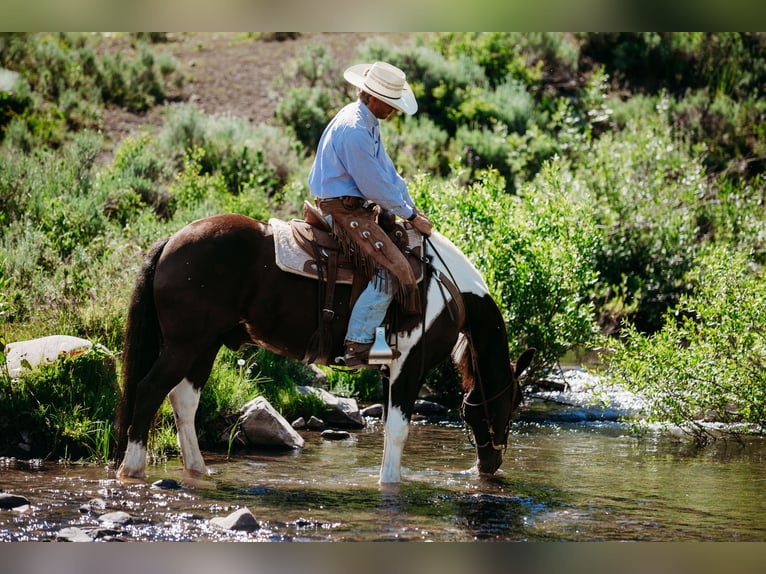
369, 117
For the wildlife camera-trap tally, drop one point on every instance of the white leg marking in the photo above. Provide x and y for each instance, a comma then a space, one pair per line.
395, 435
184, 399
134, 463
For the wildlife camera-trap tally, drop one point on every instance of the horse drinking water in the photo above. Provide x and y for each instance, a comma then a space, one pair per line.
217, 282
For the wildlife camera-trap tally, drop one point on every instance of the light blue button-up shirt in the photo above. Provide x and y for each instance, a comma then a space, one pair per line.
351, 160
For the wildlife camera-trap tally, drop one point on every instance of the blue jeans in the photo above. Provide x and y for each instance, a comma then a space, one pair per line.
370, 310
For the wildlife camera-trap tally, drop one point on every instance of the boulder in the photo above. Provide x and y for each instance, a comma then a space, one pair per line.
42, 351
342, 412
261, 425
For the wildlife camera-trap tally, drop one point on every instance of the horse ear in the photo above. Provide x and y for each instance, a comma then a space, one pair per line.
524, 361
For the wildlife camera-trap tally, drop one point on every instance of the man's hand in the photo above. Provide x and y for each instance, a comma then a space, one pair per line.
422, 224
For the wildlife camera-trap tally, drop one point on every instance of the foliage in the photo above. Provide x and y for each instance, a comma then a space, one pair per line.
646, 188
63, 410
65, 80
707, 362
590, 177
535, 252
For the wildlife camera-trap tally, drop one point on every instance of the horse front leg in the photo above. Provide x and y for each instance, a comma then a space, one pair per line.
184, 399
395, 433
397, 421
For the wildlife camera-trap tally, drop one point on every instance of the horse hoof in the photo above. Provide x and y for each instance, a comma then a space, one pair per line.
196, 479
130, 479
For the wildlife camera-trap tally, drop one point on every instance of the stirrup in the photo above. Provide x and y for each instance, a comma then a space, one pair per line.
380, 353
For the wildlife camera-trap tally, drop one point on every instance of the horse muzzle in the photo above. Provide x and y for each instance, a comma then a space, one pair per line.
489, 459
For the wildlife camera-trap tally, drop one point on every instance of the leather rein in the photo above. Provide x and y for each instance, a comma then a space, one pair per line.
451, 285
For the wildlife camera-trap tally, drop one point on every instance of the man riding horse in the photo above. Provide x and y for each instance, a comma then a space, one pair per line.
351, 174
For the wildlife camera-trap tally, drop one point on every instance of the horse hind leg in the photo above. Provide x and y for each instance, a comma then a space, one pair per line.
165, 374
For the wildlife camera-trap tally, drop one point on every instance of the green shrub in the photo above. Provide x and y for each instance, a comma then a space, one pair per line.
68, 83
646, 188
535, 252
63, 410
706, 363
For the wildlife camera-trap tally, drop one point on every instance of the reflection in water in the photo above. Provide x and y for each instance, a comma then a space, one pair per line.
584, 481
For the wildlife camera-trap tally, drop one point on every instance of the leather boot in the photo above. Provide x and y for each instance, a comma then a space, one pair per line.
356, 353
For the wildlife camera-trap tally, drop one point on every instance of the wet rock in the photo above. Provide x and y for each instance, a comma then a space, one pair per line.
428, 408
242, 519
118, 517
93, 506
331, 434
45, 350
299, 423
343, 412
315, 423
166, 484
73, 534
374, 411
262, 425
10, 501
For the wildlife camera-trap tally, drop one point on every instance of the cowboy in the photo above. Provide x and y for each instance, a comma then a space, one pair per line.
351, 173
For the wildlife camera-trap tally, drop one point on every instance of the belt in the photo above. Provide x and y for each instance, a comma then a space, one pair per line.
348, 202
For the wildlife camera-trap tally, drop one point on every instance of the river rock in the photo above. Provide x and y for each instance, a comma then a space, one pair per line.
242, 519
299, 423
343, 412
166, 484
429, 408
10, 501
314, 423
373, 411
73, 534
262, 425
118, 517
42, 351
332, 434
94, 506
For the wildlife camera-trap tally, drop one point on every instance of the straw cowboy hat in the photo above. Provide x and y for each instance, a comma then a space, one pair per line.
385, 82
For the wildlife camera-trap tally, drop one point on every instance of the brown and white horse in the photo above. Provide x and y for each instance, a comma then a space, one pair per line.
215, 282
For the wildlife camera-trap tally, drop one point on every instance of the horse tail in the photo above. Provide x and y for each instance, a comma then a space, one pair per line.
142, 344
482, 351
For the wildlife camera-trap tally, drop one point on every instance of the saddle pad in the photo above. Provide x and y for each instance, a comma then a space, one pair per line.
291, 258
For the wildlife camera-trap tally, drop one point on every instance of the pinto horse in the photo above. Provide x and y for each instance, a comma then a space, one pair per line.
215, 282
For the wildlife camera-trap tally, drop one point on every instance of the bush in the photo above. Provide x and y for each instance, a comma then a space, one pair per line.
63, 410
707, 362
69, 82
535, 252
646, 188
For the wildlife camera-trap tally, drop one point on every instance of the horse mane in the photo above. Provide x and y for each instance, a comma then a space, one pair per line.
463, 357
483, 346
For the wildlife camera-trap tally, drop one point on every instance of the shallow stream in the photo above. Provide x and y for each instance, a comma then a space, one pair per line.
568, 474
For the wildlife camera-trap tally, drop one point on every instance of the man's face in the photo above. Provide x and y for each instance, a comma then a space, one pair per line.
380, 109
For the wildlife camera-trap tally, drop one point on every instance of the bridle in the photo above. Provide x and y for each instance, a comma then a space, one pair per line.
484, 404
451, 286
